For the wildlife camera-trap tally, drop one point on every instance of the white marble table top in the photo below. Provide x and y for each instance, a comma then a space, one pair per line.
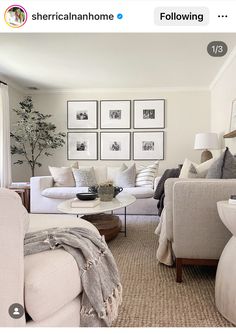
120, 201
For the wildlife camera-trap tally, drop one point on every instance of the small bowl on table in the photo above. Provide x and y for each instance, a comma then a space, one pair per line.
86, 196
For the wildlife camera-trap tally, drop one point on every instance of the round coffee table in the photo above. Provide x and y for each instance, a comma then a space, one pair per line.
113, 224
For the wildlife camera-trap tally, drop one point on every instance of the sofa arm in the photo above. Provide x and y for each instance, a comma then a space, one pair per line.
37, 185
14, 219
197, 228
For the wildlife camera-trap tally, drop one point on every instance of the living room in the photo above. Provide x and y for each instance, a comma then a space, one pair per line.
169, 90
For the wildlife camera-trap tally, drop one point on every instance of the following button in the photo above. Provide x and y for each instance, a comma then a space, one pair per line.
181, 16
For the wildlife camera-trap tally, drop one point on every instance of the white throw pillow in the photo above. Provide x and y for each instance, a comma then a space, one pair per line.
85, 177
113, 171
100, 173
62, 176
146, 176
200, 169
126, 178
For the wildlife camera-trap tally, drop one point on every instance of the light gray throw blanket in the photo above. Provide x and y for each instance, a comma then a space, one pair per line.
102, 290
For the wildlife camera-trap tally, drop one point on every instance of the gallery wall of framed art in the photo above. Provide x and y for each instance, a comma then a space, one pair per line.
143, 118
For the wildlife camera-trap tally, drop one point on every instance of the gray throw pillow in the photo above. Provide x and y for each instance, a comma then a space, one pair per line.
126, 178
84, 177
224, 167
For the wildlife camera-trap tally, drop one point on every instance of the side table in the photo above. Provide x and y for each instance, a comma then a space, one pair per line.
24, 192
225, 288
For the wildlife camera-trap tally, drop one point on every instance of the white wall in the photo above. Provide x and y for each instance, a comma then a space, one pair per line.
15, 95
223, 93
187, 112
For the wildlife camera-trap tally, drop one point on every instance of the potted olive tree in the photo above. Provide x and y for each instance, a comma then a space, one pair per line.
34, 136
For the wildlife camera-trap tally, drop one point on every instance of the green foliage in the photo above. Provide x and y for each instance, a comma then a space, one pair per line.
34, 135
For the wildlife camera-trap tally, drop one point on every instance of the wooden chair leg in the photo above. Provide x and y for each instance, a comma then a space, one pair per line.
179, 266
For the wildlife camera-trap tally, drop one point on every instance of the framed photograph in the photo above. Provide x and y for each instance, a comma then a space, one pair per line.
232, 126
115, 114
82, 146
115, 145
149, 114
148, 145
82, 114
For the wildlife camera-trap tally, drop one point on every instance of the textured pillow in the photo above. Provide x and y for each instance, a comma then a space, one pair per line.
100, 173
84, 177
224, 167
192, 170
194, 174
126, 178
113, 171
62, 176
145, 177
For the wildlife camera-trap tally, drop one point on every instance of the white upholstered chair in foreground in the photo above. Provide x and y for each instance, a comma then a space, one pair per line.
46, 284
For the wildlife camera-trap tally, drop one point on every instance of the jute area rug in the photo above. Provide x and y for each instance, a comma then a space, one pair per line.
151, 297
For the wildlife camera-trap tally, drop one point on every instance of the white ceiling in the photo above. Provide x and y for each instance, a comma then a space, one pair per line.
83, 61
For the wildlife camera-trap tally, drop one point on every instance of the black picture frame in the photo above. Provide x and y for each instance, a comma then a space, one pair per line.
149, 122
72, 111
75, 156
123, 143
147, 154
115, 102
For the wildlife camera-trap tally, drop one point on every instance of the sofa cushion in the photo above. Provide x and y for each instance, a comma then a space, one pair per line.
113, 171
84, 177
52, 277
193, 170
140, 192
62, 176
146, 176
100, 172
51, 281
63, 192
224, 167
126, 178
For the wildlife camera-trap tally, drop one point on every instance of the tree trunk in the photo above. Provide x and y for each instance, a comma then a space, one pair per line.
32, 170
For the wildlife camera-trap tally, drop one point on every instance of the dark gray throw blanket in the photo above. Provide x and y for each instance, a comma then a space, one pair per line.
102, 290
160, 190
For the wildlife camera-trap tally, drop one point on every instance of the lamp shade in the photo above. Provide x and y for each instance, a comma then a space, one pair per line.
205, 141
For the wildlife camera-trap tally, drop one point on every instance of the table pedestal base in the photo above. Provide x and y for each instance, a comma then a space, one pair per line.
225, 289
107, 224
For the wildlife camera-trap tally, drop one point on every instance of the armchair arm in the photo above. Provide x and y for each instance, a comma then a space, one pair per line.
197, 229
13, 218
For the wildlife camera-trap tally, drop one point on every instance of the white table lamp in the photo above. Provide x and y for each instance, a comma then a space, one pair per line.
206, 141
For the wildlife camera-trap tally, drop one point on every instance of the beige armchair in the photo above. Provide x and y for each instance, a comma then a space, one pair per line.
47, 284
193, 225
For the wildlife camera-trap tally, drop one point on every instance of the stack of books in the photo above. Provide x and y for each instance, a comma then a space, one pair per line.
77, 203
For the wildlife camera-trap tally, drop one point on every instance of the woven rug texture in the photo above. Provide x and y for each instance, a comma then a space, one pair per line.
151, 297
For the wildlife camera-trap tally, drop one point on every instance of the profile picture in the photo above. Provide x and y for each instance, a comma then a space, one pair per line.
81, 146
148, 145
82, 115
115, 146
15, 16
148, 113
115, 114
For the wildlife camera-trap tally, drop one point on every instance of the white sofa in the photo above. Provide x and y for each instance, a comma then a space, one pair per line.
38, 282
45, 197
